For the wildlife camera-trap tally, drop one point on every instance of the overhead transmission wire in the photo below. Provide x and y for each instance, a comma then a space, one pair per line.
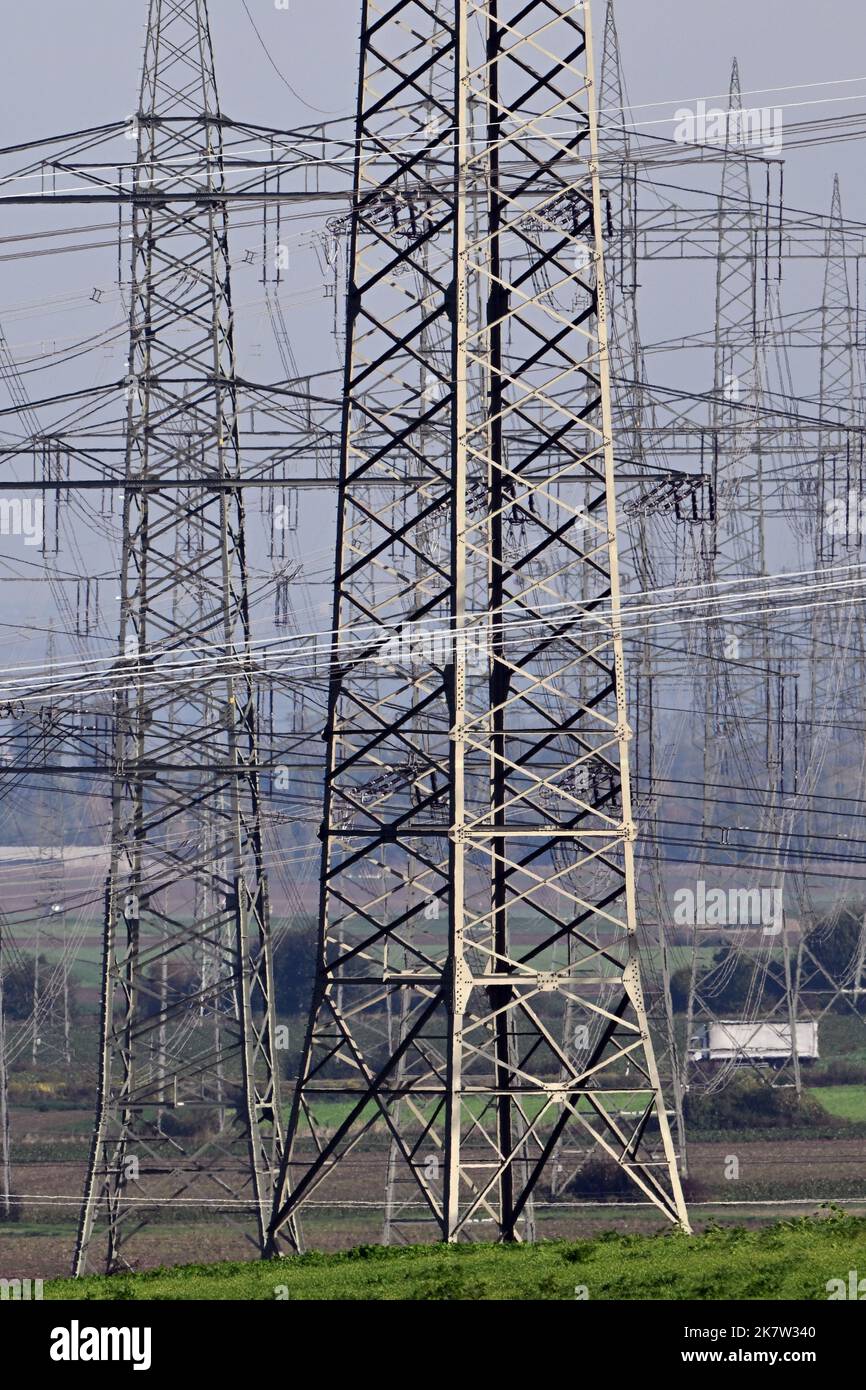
241, 661
777, 578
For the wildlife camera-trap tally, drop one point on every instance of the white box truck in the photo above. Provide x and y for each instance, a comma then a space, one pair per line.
739, 1041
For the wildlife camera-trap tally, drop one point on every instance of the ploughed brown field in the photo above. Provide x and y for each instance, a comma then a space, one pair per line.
792, 1176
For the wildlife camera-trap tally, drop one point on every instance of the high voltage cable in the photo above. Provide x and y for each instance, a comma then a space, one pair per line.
779, 577
241, 663
99, 192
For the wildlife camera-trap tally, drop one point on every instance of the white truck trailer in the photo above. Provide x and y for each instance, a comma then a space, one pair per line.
738, 1041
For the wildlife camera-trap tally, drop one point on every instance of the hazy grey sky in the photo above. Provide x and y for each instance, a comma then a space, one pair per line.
64, 66
67, 65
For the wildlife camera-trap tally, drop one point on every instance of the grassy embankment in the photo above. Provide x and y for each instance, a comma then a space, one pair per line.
793, 1259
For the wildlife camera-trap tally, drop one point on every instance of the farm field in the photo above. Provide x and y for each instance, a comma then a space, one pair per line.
786, 1172
845, 1102
788, 1178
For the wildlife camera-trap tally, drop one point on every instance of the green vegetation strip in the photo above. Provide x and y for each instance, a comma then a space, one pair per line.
793, 1259
329, 1114
846, 1102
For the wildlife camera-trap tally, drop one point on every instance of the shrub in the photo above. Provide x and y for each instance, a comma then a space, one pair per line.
18, 983
839, 1071
294, 970
14, 1213
730, 981
602, 1180
752, 1104
834, 945
193, 1124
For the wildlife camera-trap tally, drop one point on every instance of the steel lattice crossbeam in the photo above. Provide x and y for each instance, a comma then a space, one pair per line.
478, 994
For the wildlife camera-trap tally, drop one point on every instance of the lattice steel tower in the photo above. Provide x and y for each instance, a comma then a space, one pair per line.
478, 838
186, 1100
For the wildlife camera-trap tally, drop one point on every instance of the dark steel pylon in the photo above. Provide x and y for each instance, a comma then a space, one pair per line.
477, 835
187, 1107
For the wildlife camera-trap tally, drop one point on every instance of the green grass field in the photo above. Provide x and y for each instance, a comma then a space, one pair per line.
331, 1113
794, 1259
845, 1102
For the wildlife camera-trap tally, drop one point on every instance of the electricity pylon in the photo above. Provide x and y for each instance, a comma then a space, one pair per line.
187, 1108
644, 561
477, 737
836, 636
738, 673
